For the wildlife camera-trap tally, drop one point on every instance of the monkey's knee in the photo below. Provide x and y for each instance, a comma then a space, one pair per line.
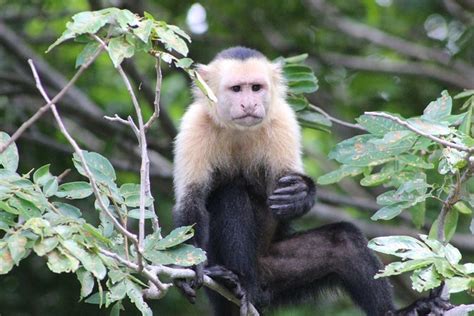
345, 235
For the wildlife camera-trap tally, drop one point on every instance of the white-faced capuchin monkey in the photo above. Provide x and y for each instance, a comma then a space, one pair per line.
239, 178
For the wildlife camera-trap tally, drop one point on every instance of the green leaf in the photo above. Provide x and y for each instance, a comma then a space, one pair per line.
396, 268
135, 213
429, 127
425, 279
25, 208
296, 59
202, 85
95, 233
183, 255
86, 54
100, 167
115, 310
9, 158
6, 261
415, 161
379, 126
42, 175
168, 37
59, 262
377, 178
298, 103
338, 174
143, 31
90, 261
17, 246
440, 108
176, 237
452, 254
50, 187
303, 86
404, 247
365, 150
96, 298
45, 245
458, 284
74, 190
451, 223
87, 282
134, 292
390, 211
184, 63
118, 291
466, 123
68, 210
464, 94
313, 119
119, 49
462, 208
418, 212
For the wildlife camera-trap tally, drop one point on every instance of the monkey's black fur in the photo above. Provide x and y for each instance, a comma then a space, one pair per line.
243, 223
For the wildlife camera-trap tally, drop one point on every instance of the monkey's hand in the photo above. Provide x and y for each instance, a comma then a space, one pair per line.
293, 196
188, 287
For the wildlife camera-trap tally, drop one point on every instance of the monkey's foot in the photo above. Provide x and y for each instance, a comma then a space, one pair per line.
227, 278
434, 305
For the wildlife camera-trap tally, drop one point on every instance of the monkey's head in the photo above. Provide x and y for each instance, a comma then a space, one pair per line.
246, 84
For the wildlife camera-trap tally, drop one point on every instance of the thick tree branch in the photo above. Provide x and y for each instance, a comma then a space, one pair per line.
358, 30
399, 67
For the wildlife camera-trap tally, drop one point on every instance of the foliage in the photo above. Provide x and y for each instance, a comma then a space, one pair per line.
37, 210
398, 153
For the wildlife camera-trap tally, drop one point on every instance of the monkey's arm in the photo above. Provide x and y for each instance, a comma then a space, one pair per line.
293, 196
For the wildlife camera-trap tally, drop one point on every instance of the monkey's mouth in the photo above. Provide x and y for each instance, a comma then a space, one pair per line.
257, 117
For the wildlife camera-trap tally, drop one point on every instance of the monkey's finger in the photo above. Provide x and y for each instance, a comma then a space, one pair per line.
288, 198
290, 179
292, 188
279, 207
187, 291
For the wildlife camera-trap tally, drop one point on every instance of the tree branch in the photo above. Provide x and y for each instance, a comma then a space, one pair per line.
78, 151
399, 67
50, 103
358, 30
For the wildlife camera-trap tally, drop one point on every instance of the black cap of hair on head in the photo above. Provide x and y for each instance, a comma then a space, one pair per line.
240, 53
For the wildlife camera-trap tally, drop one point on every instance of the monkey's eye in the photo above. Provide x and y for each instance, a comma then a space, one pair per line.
256, 87
235, 88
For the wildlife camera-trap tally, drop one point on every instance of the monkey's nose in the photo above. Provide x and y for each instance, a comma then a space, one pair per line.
250, 108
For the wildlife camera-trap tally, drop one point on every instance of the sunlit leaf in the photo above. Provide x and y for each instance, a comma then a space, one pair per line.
9, 158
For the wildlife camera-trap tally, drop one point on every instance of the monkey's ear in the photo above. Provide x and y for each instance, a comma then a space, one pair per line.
204, 71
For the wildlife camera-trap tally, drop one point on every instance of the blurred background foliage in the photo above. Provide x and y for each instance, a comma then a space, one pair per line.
394, 55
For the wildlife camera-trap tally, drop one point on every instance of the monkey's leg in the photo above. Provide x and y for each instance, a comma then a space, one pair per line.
232, 240
333, 254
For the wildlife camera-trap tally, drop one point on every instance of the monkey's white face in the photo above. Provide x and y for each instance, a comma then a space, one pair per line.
243, 92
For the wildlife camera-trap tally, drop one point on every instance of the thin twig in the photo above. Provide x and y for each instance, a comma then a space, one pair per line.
335, 120
156, 102
145, 161
152, 271
448, 204
48, 105
417, 131
79, 152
